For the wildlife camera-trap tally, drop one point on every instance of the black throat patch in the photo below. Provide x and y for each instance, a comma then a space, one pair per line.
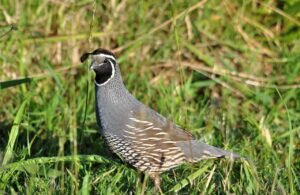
103, 73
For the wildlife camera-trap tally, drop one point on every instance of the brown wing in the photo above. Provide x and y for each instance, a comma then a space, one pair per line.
154, 139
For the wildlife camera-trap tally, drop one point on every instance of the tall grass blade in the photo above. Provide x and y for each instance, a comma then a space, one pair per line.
291, 146
14, 132
85, 190
188, 180
45, 160
12, 83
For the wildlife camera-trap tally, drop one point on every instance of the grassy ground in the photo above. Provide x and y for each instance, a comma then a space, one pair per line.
226, 70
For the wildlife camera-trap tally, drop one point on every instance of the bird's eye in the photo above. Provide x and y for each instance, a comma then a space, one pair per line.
106, 60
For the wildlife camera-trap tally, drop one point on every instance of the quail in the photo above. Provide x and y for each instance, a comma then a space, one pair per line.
136, 133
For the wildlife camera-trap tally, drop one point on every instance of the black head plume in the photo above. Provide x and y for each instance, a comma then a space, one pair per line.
103, 51
85, 56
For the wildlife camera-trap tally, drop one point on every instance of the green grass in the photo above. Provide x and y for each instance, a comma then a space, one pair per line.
228, 71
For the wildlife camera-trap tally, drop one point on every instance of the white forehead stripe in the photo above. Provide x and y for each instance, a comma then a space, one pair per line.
107, 56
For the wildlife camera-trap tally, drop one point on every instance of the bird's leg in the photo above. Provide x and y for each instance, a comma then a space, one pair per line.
156, 179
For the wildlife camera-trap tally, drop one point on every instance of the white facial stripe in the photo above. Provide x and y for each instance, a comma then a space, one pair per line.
107, 56
112, 74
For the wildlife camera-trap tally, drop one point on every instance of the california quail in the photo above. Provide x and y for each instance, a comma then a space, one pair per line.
136, 133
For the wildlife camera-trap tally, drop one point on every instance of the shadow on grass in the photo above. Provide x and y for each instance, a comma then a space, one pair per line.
5, 126
47, 144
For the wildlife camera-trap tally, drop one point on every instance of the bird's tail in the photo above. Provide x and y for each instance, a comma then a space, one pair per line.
196, 151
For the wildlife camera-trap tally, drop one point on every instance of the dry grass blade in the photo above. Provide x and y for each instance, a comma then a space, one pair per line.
237, 76
268, 33
226, 85
60, 38
164, 24
209, 179
280, 12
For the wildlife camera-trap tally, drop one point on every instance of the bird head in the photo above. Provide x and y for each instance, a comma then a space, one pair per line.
103, 64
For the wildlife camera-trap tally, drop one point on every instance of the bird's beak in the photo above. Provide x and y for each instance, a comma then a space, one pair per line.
93, 66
